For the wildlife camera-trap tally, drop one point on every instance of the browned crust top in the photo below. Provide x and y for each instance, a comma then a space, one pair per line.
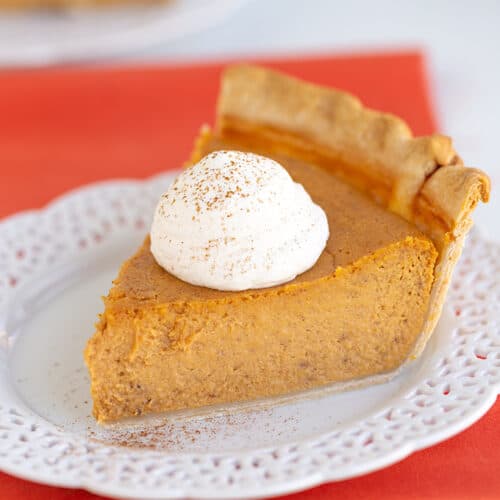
420, 178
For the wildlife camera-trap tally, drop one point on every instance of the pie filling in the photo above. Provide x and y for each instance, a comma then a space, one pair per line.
163, 344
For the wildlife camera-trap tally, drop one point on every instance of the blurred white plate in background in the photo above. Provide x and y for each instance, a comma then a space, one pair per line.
60, 35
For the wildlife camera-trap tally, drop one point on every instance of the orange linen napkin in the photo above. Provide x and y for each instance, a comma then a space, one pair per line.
61, 128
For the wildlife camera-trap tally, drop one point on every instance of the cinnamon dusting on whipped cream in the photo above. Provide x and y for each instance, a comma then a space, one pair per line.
236, 221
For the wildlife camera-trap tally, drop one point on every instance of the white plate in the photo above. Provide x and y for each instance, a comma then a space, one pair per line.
42, 37
55, 264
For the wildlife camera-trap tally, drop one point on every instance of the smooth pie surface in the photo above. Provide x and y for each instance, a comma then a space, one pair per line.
358, 227
163, 344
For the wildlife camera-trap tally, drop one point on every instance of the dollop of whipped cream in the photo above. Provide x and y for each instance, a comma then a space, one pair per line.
236, 221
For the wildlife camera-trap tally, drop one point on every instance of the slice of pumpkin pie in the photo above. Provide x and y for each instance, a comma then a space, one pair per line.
200, 330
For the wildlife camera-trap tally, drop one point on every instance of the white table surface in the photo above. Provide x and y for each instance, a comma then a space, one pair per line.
460, 37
